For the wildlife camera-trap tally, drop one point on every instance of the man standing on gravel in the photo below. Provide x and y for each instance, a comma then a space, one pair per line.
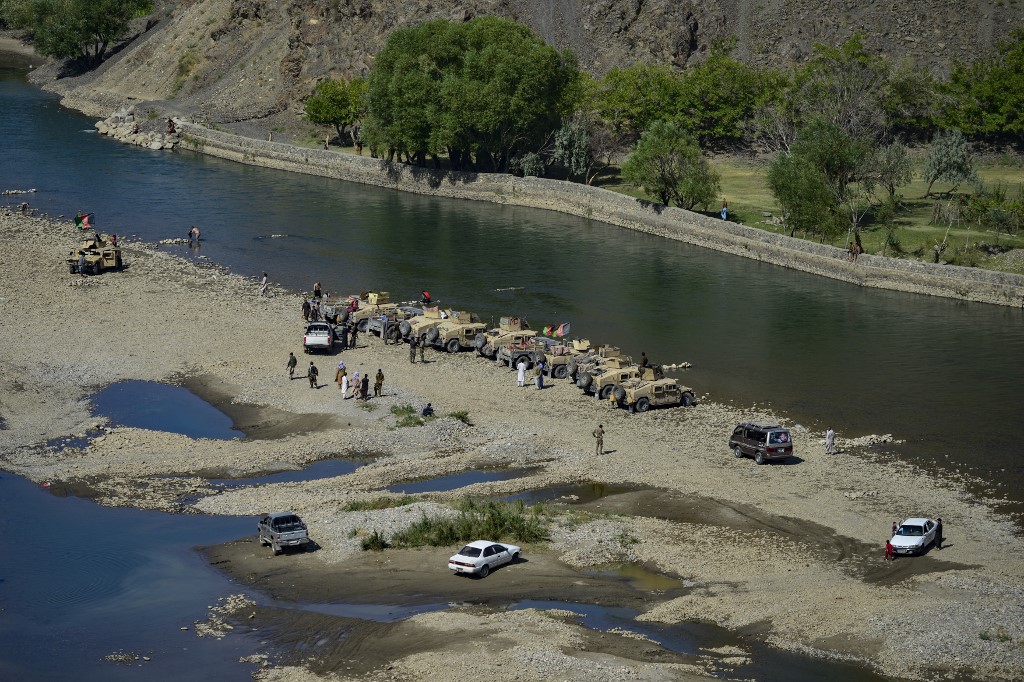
412, 350
378, 383
422, 347
521, 376
292, 361
599, 435
312, 374
830, 441
938, 533
263, 287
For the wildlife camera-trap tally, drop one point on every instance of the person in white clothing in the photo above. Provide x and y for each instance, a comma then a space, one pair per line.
521, 376
830, 442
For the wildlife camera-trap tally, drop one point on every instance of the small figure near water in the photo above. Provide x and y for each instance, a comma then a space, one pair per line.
830, 444
427, 411
725, 209
263, 289
194, 234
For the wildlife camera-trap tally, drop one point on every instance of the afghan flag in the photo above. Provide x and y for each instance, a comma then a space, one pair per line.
548, 330
83, 222
562, 330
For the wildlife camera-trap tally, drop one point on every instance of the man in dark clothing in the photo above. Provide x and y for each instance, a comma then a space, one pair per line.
354, 331
311, 374
306, 310
938, 534
643, 360
422, 347
364, 386
412, 350
292, 361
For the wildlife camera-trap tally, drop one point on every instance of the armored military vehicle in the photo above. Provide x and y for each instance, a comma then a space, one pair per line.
644, 393
510, 330
558, 357
367, 305
419, 325
456, 333
594, 359
94, 256
602, 381
387, 325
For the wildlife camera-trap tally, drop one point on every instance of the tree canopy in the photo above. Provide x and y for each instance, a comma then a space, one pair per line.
337, 103
485, 91
74, 28
667, 163
987, 96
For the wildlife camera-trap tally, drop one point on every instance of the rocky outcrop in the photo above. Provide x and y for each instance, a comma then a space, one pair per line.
226, 61
124, 126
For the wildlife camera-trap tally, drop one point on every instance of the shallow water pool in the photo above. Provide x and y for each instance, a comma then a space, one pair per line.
163, 407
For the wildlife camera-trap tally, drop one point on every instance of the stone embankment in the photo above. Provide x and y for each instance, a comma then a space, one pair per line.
969, 284
124, 126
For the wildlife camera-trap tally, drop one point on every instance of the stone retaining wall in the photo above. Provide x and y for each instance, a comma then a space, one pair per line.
971, 284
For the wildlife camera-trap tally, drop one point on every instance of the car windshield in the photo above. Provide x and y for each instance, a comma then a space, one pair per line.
470, 551
288, 523
778, 437
910, 531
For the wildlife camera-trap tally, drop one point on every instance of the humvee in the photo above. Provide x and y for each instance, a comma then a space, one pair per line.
531, 350
387, 325
418, 325
643, 394
369, 304
510, 330
99, 255
596, 358
559, 356
603, 380
459, 331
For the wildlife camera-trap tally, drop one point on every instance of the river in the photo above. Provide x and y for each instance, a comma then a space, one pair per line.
942, 375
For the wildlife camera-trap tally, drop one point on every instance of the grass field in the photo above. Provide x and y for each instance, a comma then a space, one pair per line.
745, 187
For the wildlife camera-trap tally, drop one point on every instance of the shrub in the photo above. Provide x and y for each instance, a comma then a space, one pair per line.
379, 503
374, 542
493, 520
462, 416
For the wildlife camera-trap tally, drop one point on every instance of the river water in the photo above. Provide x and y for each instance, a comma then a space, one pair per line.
943, 375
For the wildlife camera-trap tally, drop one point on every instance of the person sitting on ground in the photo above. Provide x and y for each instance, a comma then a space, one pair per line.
428, 411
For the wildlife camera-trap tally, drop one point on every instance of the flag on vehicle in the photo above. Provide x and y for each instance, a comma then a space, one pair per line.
548, 330
83, 222
563, 330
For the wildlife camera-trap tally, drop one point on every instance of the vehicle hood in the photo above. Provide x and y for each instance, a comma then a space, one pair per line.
907, 541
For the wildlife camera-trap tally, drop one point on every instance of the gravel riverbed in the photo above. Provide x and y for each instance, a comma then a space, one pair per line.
795, 550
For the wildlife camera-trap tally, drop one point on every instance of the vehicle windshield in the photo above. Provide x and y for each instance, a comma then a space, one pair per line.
286, 524
778, 437
470, 551
910, 531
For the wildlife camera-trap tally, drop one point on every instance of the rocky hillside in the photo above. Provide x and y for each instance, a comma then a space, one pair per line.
246, 60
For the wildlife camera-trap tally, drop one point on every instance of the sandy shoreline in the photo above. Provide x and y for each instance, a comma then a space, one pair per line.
791, 549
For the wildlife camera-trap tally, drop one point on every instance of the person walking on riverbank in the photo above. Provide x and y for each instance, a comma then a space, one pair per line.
317, 291
938, 533
312, 374
830, 442
355, 385
521, 373
306, 310
340, 373
422, 348
412, 350
344, 386
364, 387
725, 209
539, 372
378, 383
263, 286
599, 435
890, 551
292, 362
354, 331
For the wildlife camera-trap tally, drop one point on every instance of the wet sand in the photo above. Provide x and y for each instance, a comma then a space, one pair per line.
792, 552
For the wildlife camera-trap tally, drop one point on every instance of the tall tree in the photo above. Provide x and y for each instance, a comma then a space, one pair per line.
337, 103
667, 163
948, 160
987, 96
74, 28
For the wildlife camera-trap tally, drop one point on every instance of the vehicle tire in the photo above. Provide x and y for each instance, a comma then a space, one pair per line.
453, 346
606, 391
342, 317
525, 358
277, 548
405, 328
363, 325
479, 342
394, 334
515, 558
643, 404
687, 399
485, 571
759, 458
560, 372
261, 540
738, 451
72, 268
571, 368
584, 381
432, 334
620, 394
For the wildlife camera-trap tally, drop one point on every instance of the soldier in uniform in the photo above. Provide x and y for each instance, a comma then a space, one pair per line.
311, 374
412, 349
422, 347
292, 362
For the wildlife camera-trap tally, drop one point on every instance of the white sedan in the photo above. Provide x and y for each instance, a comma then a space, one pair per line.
913, 536
480, 556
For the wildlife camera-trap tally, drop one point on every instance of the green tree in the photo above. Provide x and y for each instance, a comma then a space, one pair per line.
631, 99
486, 89
987, 96
894, 167
803, 192
948, 160
667, 163
337, 103
74, 28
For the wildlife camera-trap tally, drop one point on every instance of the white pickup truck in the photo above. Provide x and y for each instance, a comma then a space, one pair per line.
280, 530
318, 336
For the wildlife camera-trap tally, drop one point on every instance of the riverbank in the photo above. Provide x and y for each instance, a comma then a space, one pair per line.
789, 552
970, 284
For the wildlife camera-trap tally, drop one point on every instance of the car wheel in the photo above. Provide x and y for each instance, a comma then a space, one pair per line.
620, 394
561, 372
485, 571
404, 327
454, 346
687, 399
606, 391
643, 404
759, 458
363, 325
738, 451
432, 334
572, 367
343, 317
277, 548
515, 558
584, 381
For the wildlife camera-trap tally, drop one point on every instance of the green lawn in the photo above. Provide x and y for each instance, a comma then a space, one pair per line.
745, 187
